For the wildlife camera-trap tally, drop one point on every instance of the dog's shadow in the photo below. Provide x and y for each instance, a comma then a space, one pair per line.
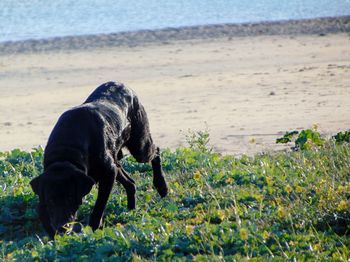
18, 217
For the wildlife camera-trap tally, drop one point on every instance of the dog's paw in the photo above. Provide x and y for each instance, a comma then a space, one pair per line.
161, 187
131, 201
163, 191
131, 205
77, 227
95, 223
156, 162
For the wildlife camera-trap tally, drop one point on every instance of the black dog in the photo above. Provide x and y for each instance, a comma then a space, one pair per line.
84, 148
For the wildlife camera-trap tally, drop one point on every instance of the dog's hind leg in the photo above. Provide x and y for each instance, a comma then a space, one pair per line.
129, 184
126, 174
104, 189
117, 159
120, 155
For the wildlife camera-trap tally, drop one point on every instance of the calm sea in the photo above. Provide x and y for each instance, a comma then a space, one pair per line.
35, 19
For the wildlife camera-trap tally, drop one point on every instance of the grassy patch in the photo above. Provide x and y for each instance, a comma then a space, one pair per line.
282, 205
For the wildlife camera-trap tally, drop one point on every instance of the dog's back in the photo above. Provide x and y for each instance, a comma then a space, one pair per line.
112, 92
89, 129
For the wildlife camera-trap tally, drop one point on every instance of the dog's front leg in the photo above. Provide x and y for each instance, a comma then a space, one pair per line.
104, 189
45, 220
158, 177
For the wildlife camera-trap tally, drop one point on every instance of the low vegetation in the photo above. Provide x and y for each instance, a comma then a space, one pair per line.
282, 205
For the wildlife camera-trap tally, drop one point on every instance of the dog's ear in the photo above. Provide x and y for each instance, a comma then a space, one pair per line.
140, 143
138, 114
84, 184
135, 104
36, 184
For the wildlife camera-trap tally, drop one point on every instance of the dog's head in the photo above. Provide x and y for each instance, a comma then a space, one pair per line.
61, 190
140, 143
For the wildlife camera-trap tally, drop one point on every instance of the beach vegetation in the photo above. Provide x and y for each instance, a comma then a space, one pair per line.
305, 139
342, 137
288, 205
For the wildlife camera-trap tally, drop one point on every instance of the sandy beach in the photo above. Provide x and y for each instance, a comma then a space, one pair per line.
246, 90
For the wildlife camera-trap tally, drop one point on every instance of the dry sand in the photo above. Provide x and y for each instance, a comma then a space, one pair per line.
246, 90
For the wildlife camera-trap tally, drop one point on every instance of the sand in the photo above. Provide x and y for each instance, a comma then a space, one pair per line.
246, 91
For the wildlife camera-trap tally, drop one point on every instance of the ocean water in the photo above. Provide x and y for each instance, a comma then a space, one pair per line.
37, 19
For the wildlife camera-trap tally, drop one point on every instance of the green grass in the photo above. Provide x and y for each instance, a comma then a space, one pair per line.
273, 206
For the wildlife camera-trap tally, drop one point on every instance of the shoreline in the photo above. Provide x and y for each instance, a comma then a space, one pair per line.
317, 26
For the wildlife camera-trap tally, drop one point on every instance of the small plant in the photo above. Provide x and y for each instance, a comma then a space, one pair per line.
199, 140
288, 137
308, 138
304, 140
342, 137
